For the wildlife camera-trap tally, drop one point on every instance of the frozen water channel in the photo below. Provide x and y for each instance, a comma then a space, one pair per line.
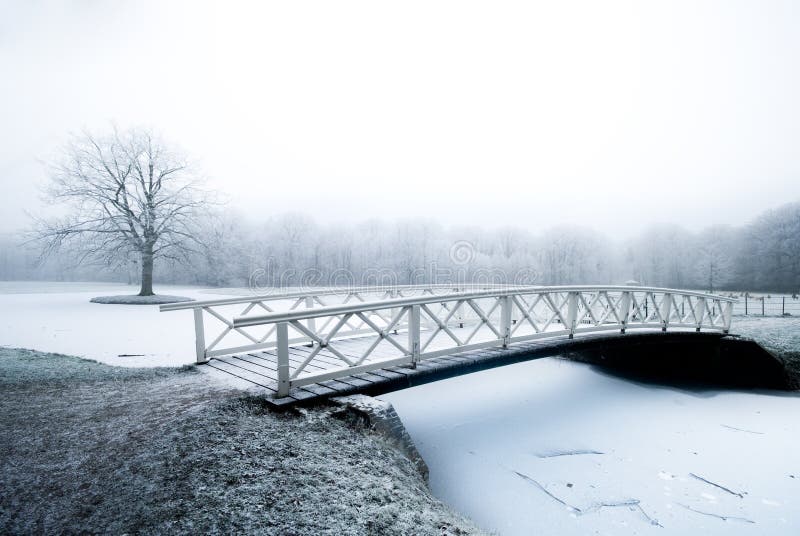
556, 447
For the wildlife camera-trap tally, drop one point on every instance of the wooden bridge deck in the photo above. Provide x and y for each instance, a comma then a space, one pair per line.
257, 371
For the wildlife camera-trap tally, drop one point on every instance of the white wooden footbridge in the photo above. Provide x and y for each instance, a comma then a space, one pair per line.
323, 342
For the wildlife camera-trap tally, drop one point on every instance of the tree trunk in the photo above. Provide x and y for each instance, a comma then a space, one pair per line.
147, 272
711, 279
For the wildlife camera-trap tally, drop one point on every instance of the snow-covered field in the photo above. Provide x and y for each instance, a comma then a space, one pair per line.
57, 317
556, 447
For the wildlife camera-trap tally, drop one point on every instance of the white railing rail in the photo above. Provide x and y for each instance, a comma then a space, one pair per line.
436, 325
231, 339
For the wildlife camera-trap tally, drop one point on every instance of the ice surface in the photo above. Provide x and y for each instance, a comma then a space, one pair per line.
556, 447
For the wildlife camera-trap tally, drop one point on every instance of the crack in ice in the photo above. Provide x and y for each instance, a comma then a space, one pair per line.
742, 429
723, 488
723, 518
556, 454
634, 504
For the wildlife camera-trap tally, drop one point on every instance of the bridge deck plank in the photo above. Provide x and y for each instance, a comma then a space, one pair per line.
251, 364
370, 377
243, 368
323, 360
265, 360
319, 389
387, 374
336, 385
260, 381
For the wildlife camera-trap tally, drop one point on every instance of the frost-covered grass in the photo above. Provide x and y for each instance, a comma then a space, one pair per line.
127, 299
90, 448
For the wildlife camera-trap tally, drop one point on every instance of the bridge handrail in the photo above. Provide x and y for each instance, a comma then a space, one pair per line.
321, 291
332, 310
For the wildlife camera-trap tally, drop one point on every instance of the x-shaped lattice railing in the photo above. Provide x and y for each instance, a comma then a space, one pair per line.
218, 315
494, 317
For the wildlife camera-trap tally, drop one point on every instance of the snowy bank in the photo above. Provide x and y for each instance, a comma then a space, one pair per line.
781, 336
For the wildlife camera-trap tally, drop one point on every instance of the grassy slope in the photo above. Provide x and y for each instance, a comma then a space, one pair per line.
92, 448
781, 336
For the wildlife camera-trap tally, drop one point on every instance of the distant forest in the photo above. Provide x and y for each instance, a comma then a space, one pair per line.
292, 249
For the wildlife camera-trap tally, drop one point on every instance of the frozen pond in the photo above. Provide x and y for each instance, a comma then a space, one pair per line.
556, 447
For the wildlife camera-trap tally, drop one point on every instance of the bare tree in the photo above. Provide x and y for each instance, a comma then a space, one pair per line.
574, 255
128, 194
713, 256
661, 256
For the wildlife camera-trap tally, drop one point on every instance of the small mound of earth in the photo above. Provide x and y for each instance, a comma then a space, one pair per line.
158, 299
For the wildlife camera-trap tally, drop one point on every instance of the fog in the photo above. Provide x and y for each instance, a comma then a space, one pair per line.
293, 250
613, 115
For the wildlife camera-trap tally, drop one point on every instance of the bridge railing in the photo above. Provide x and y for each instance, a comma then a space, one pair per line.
217, 315
404, 331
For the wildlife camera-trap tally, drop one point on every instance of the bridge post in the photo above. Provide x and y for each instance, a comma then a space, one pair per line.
394, 310
311, 322
505, 319
283, 359
624, 310
666, 310
572, 312
413, 334
701, 313
199, 337
727, 316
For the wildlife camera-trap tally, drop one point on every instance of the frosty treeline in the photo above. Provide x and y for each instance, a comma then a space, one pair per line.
293, 249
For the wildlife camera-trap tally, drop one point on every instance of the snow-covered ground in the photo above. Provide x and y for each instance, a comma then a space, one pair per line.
57, 317
556, 447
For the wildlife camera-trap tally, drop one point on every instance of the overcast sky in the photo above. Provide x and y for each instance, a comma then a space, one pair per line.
608, 114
